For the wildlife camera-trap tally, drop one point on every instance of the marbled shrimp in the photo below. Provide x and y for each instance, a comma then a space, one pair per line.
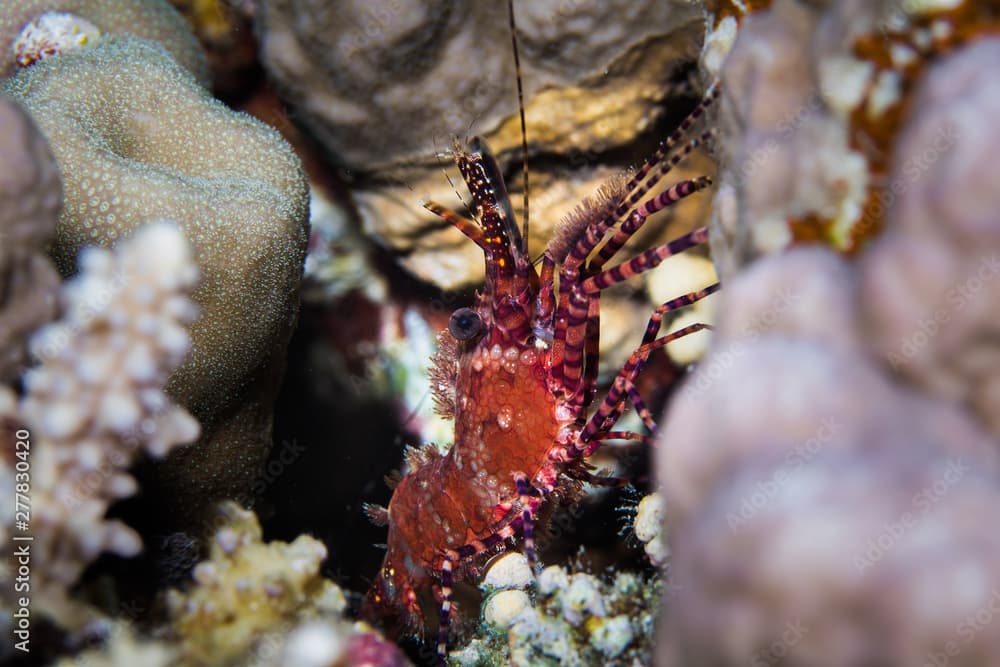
518, 374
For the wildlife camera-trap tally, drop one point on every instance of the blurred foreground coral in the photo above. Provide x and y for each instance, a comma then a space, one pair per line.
830, 470
93, 404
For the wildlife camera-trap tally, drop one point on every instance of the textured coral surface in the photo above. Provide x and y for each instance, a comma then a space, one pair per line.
155, 20
136, 138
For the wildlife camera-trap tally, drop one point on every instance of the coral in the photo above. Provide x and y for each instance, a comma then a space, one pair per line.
97, 401
248, 590
818, 93
149, 19
136, 138
811, 507
53, 33
30, 199
597, 77
826, 471
267, 603
510, 570
649, 529
123, 647
785, 156
858, 557
574, 618
931, 285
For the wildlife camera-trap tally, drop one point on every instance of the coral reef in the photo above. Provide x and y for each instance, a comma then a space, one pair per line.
155, 20
267, 603
597, 77
573, 618
124, 646
136, 138
30, 200
93, 404
649, 529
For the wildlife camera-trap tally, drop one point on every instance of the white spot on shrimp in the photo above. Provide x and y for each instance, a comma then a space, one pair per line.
564, 413
505, 418
528, 358
496, 351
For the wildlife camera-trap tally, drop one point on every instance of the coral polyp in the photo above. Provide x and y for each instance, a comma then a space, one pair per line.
53, 33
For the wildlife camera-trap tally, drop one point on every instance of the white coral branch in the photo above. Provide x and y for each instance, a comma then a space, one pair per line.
97, 396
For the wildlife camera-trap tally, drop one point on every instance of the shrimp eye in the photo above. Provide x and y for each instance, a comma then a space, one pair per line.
465, 324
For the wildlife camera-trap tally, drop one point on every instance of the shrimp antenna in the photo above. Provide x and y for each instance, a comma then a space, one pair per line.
520, 108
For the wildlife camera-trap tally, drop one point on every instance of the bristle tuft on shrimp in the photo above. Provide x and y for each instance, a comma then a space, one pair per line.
588, 213
444, 374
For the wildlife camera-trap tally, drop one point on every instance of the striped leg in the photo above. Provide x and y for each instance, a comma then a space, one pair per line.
464, 225
640, 406
526, 494
577, 299
643, 261
670, 142
596, 233
444, 622
652, 329
613, 403
638, 218
450, 558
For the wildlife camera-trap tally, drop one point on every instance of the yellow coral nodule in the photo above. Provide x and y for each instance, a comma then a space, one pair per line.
53, 33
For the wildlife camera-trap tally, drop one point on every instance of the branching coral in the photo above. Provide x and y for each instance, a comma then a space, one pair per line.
53, 33
267, 604
96, 401
137, 138
248, 589
30, 199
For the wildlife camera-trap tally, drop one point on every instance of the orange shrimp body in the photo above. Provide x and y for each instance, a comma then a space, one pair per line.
504, 423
